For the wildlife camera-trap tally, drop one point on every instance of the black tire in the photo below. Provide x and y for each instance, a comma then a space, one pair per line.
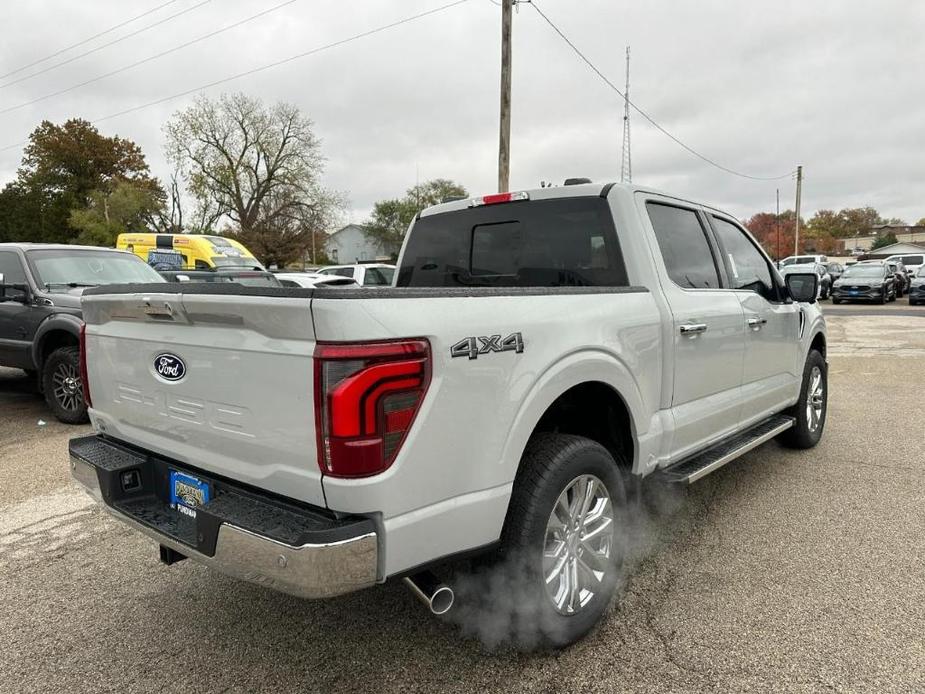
64, 398
882, 299
550, 464
803, 434
825, 292
836, 301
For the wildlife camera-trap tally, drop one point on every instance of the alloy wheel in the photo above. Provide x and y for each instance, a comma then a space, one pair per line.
815, 399
579, 544
67, 387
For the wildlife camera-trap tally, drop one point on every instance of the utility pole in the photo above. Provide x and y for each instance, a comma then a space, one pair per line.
796, 238
504, 140
777, 225
626, 169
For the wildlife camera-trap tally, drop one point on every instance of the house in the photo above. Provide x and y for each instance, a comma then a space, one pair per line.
901, 248
350, 244
903, 232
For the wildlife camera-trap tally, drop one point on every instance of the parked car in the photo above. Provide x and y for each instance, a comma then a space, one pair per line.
312, 279
803, 260
912, 261
835, 270
534, 362
902, 279
247, 278
365, 274
825, 281
40, 316
867, 281
917, 288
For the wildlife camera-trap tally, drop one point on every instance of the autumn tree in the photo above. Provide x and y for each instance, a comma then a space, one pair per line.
64, 168
776, 235
390, 218
258, 167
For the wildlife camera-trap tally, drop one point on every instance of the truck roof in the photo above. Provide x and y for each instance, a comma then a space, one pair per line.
29, 246
565, 191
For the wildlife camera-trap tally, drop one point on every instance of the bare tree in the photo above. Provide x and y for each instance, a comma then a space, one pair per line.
257, 166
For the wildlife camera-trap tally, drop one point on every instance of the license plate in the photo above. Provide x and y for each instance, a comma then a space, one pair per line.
187, 493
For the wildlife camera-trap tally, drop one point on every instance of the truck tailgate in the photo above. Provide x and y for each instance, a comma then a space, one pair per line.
221, 382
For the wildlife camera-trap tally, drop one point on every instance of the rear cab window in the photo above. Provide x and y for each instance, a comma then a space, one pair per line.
683, 243
532, 243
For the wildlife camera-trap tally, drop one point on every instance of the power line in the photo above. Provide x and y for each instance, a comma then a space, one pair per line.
646, 115
304, 54
88, 39
291, 58
105, 45
148, 59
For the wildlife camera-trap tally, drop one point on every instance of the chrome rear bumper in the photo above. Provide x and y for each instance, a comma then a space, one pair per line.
320, 569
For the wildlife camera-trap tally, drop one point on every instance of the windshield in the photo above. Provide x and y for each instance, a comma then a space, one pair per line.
864, 271
243, 261
60, 270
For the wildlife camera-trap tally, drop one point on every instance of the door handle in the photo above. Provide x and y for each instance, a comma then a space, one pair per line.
693, 328
755, 322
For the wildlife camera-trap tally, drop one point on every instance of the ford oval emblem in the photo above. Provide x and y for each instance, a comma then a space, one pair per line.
169, 367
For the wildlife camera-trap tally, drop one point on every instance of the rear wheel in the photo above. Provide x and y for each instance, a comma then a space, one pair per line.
563, 541
62, 386
811, 408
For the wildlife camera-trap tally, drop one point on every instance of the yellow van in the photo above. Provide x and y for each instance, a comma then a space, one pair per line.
188, 251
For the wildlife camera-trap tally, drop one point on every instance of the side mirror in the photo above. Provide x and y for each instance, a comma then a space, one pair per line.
803, 287
13, 292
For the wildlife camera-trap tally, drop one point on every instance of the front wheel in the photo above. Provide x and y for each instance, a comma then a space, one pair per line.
62, 386
563, 540
811, 408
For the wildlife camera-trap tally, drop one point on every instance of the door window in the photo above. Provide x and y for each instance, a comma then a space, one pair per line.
748, 268
684, 246
11, 268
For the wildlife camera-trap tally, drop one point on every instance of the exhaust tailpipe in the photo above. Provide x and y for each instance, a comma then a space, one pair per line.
431, 591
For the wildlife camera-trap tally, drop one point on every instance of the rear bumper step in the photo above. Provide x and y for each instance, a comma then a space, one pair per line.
302, 551
702, 464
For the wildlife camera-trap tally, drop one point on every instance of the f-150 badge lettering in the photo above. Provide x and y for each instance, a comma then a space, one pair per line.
472, 347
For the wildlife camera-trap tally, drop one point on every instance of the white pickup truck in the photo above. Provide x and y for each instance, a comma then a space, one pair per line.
537, 350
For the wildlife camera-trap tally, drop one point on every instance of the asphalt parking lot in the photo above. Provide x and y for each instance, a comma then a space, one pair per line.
785, 571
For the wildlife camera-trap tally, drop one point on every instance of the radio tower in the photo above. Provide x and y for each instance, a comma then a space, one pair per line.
626, 170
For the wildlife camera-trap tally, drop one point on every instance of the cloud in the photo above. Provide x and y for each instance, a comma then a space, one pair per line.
759, 87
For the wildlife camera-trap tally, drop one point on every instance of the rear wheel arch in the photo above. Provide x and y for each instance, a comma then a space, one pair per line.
584, 372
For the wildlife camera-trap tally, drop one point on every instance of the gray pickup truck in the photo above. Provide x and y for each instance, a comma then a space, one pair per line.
40, 316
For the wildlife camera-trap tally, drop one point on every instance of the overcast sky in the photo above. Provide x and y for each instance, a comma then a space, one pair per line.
758, 86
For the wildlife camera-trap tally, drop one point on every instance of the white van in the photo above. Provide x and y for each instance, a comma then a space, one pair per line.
912, 261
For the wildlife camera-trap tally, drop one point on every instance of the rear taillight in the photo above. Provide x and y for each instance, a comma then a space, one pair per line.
366, 397
85, 382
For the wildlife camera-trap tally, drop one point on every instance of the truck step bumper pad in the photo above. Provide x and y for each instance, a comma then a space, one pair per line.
303, 551
702, 464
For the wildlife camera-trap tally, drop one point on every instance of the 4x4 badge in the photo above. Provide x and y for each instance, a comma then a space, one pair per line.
472, 347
